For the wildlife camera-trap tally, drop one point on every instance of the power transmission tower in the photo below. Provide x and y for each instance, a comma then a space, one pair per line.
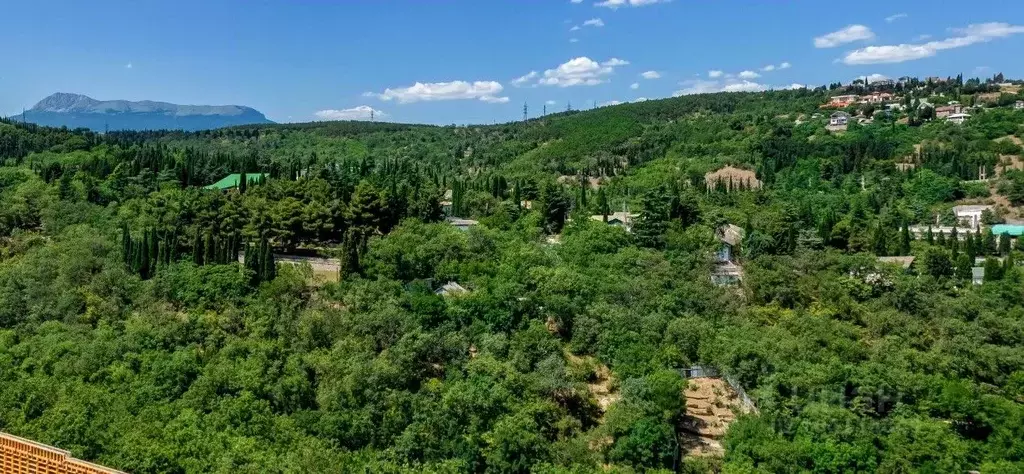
595, 105
568, 106
524, 111
545, 113
371, 115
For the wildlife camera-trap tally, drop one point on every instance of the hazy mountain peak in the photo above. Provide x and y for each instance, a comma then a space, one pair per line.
77, 110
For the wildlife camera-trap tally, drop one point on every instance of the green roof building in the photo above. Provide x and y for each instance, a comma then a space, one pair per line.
231, 181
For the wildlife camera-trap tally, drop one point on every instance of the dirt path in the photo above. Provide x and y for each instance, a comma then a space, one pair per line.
711, 406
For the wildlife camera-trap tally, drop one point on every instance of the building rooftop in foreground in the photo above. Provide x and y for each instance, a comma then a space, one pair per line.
20, 455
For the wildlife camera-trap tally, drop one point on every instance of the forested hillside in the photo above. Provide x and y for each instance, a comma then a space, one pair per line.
131, 335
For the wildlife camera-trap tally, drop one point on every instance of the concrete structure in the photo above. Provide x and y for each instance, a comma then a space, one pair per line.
957, 118
970, 216
22, 456
977, 275
1008, 229
727, 270
461, 224
451, 289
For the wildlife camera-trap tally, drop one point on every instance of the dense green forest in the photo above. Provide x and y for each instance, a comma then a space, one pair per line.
131, 336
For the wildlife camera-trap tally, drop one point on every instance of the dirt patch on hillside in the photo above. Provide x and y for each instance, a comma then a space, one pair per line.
1013, 138
711, 406
733, 178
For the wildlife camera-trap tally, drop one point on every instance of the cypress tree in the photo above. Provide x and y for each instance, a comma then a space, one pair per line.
905, 240
144, 257
929, 236
197, 248
1004, 244
954, 241
209, 252
964, 265
970, 247
988, 244
878, 241
243, 183
941, 240
126, 245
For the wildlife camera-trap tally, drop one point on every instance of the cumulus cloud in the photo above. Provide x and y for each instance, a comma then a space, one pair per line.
749, 75
128, 66
972, 34
892, 18
486, 91
362, 112
634, 86
575, 28
714, 73
784, 65
651, 75
610, 102
573, 40
846, 35
595, 22
551, 102
873, 78
614, 4
768, 68
575, 1
581, 71
701, 86
795, 86
525, 78
640, 99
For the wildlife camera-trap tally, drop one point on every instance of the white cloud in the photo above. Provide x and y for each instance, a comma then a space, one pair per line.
714, 73
551, 102
519, 81
972, 34
486, 91
641, 99
595, 22
795, 86
651, 75
128, 66
361, 112
923, 37
575, 28
634, 86
749, 75
573, 40
700, 86
873, 78
892, 18
846, 35
581, 71
610, 102
784, 65
768, 68
575, 1
614, 4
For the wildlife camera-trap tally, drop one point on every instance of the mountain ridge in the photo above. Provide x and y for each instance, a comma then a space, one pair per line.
81, 111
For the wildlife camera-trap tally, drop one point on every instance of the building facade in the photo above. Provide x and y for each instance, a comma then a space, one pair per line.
22, 456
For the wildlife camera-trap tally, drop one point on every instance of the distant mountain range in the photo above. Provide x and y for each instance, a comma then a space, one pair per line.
79, 111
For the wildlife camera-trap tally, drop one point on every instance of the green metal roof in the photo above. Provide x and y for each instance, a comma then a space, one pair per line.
1014, 230
231, 181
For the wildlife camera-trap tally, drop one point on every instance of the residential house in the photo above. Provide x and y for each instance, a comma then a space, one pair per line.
970, 216
446, 202
838, 119
618, 219
841, 101
461, 224
947, 110
905, 262
957, 118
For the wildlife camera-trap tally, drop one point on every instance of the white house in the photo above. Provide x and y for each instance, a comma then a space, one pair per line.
461, 224
1019, 105
970, 216
838, 119
957, 118
727, 271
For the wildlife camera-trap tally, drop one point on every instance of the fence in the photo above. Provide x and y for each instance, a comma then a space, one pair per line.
705, 371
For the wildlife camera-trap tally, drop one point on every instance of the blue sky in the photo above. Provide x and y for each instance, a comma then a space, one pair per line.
470, 61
